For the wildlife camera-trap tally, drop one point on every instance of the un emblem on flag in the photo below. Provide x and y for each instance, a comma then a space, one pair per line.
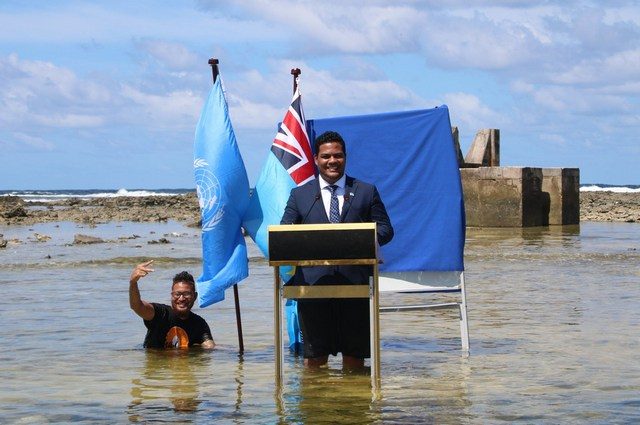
208, 189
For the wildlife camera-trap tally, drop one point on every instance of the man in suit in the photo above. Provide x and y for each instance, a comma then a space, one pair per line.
330, 326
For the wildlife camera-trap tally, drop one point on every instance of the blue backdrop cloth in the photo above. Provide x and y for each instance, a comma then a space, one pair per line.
223, 193
411, 158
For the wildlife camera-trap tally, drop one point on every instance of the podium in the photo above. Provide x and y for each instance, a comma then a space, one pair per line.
335, 244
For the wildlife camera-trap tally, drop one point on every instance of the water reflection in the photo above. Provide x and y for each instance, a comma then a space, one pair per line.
239, 378
521, 236
168, 381
411, 392
327, 395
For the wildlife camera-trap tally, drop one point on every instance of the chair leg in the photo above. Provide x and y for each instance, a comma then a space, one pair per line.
464, 324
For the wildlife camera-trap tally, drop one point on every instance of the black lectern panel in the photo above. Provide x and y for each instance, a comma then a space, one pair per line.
325, 241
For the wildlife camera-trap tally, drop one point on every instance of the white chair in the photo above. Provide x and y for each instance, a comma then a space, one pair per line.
425, 282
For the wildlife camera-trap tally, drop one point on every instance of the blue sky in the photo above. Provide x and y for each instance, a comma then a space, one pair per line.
106, 94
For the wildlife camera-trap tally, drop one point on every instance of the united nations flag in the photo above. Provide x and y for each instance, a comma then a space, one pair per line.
223, 193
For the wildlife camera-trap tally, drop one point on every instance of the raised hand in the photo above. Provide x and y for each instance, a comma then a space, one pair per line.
141, 270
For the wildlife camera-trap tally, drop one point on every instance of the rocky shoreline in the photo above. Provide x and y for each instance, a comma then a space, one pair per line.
610, 206
594, 206
184, 208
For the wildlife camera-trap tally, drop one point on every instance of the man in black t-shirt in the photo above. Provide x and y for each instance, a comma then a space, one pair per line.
170, 326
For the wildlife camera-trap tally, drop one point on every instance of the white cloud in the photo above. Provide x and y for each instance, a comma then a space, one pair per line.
176, 109
579, 100
553, 98
174, 56
51, 80
73, 21
35, 142
335, 26
556, 139
260, 100
481, 42
68, 120
617, 67
248, 114
37, 92
326, 92
333, 94
469, 113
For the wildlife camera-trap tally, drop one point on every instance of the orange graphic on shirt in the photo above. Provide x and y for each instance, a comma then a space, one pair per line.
176, 338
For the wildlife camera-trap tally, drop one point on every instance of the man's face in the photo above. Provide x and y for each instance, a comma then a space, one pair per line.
182, 298
330, 160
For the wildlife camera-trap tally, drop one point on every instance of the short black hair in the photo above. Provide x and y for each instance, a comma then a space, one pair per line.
328, 137
185, 277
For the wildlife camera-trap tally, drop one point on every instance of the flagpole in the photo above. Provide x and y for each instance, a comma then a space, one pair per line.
214, 73
214, 68
295, 72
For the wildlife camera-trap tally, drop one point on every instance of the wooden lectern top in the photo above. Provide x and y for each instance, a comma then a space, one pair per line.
322, 244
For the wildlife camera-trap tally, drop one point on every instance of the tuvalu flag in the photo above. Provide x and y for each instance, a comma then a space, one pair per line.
289, 164
223, 193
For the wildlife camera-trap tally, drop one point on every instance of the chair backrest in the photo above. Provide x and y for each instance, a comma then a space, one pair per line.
411, 158
418, 282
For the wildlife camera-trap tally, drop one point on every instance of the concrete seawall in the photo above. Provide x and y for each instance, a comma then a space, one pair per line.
498, 196
521, 196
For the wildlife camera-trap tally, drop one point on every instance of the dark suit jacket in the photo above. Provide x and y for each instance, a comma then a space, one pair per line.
363, 205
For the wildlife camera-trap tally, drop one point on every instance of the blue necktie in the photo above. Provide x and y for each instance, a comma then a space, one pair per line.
334, 207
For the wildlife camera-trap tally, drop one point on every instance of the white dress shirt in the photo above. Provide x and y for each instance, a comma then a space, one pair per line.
326, 193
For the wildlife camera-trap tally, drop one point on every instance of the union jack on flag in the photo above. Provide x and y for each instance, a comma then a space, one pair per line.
291, 145
289, 163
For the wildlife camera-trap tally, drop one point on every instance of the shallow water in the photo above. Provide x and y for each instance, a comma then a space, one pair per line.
553, 316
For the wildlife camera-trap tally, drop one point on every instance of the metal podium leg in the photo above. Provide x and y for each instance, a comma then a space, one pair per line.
374, 318
277, 324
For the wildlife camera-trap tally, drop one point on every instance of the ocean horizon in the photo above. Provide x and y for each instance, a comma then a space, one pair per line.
46, 195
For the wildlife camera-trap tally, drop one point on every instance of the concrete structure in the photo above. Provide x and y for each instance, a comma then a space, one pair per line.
563, 187
503, 196
520, 196
497, 196
456, 143
485, 149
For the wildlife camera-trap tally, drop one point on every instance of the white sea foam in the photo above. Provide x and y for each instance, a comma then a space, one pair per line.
131, 193
55, 195
616, 189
